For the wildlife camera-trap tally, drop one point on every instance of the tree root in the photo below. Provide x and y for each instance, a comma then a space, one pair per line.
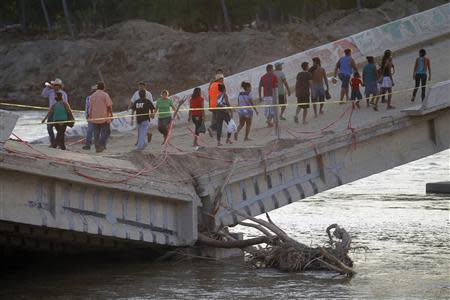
284, 253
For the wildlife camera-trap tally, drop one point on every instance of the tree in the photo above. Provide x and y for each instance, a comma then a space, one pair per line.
225, 15
67, 15
47, 19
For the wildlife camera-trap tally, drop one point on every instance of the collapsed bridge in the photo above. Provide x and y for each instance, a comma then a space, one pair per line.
52, 199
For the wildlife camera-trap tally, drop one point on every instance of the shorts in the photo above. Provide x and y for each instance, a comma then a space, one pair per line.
303, 101
318, 92
345, 78
355, 95
387, 82
246, 113
371, 89
281, 99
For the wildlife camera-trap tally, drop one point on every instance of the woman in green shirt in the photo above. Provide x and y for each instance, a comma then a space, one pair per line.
59, 112
163, 106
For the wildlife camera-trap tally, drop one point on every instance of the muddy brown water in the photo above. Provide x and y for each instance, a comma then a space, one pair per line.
407, 233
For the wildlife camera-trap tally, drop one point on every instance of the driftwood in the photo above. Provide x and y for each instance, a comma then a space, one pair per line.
284, 253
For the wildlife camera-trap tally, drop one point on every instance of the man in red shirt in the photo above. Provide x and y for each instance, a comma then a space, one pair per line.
268, 83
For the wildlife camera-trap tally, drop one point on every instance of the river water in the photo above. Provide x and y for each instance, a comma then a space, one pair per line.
406, 231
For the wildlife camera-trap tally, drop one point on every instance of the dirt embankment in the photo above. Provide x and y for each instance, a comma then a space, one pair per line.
129, 52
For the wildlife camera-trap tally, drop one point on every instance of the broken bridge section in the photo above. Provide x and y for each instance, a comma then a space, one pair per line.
311, 166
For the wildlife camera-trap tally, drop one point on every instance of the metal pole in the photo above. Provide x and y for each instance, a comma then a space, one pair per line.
275, 111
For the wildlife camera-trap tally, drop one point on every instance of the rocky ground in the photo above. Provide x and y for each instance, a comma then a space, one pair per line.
126, 53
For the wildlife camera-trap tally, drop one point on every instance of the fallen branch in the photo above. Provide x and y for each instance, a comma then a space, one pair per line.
207, 241
283, 252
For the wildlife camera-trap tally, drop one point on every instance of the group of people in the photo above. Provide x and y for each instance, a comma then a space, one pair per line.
311, 87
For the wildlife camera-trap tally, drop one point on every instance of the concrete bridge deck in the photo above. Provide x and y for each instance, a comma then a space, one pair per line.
163, 197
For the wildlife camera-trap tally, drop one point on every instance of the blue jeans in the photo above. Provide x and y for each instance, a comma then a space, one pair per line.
142, 134
89, 133
51, 134
101, 134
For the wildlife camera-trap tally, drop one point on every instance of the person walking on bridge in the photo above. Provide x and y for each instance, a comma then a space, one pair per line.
421, 67
90, 125
303, 86
223, 115
370, 82
283, 85
387, 82
319, 77
267, 84
163, 106
144, 110
142, 86
344, 70
245, 111
213, 92
197, 113
59, 114
49, 91
100, 114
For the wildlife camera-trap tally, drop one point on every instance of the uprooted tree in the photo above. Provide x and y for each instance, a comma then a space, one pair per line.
284, 253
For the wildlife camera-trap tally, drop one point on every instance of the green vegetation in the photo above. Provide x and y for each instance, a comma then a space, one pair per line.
74, 16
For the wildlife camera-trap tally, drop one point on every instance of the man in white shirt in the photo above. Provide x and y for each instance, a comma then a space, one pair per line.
141, 87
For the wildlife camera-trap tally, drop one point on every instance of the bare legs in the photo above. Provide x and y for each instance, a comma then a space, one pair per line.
248, 123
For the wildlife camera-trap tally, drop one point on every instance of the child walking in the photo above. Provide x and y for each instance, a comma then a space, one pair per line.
356, 95
143, 108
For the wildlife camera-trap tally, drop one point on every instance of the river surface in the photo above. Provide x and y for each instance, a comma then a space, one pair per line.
406, 231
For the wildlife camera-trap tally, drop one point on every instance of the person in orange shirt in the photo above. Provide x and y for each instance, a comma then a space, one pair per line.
213, 92
100, 113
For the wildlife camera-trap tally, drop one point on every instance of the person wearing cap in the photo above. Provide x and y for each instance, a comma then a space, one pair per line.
100, 113
90, 126
281, 77
213, 92
267, 84
49, 91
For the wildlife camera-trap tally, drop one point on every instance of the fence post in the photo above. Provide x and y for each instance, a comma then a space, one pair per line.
275, 112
